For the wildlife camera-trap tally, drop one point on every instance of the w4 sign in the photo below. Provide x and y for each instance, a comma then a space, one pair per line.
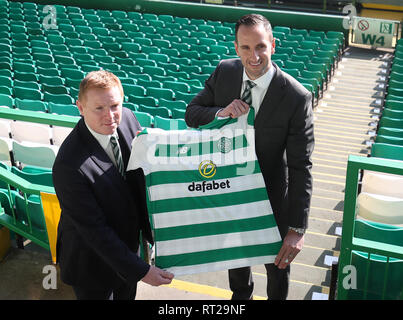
374, 32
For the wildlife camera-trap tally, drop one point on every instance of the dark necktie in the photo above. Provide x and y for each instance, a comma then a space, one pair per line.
247, 93
118, 155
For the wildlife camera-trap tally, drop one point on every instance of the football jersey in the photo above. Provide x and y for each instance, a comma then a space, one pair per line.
206, 197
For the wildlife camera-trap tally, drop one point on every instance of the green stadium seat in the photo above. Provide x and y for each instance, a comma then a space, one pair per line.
390, 113
294, 37
389, 140
313, 82
293, 72
159, 93
72, 73
33, 105
396, 91
301, 58
55, 89
391, 122
303, 32
27, 93
25, 76
284, 50
150, 49
290, 44
285, 30
390, 132
317, 75
156, 111
23, 67
151, 70
6, 100
299, 65
336, 34
394, 104
279, 35
169, 124
141, 100
176, 86
146, 83
58, 98
177, 104
137, 90
159, 57
389, 151
145, 119
6, 90
187, 97
178, 113
63, 109
42, 178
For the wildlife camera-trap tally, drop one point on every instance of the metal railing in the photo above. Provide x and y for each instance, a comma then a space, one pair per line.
350, 243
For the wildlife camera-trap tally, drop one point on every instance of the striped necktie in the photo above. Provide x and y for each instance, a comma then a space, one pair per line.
247, 93
118, 155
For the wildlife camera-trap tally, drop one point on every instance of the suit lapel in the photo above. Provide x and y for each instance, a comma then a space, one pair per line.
99, 156
273, 96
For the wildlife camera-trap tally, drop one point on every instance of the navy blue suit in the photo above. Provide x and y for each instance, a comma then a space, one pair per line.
102, 213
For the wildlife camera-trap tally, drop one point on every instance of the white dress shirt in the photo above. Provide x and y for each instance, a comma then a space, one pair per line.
105, 142
258, 91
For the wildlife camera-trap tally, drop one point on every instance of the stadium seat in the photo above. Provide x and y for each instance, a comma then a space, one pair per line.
58, 98
30, 132
159, 93
285, 30
388, 151
34, 154
382, 184
26, 93
156, 111
169, 124
389, 140
6, 100
30, 212
145, 120
59, 134
391, 122
378, 277
42, 178
5, 149
380, 208
172, 104
391, 132
178, 113
33, 105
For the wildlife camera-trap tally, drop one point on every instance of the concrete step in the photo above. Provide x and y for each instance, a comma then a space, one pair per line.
326, 214
304, 280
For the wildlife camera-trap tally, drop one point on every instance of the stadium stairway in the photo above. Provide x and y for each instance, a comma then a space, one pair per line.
343, 125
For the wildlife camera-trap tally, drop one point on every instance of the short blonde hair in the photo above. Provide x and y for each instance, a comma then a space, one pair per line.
100, 79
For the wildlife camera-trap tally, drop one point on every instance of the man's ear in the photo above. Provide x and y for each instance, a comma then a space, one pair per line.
236, 48
79, 106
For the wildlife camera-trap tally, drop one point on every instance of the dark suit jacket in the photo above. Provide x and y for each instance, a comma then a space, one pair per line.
283, 136
98, 232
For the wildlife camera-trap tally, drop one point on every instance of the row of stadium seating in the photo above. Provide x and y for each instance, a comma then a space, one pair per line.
47, 65
378, 205
24, 143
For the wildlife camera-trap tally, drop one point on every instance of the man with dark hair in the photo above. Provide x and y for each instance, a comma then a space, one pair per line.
283, 136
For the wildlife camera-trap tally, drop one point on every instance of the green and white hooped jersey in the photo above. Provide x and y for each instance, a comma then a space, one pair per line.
207, 200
